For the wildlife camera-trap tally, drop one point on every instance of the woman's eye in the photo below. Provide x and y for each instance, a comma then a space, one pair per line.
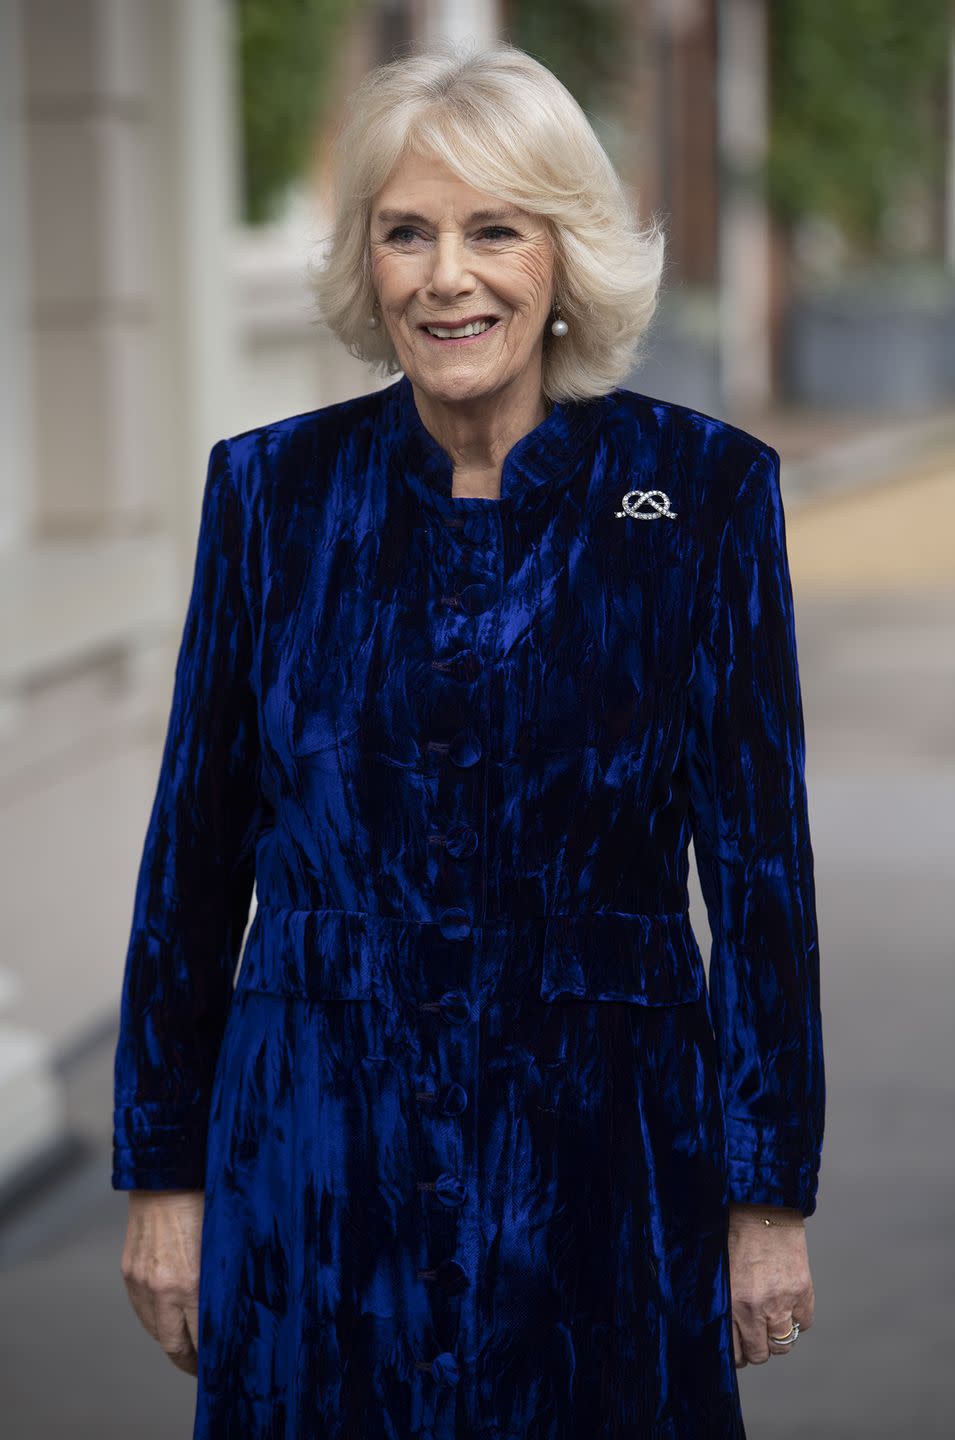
400, 232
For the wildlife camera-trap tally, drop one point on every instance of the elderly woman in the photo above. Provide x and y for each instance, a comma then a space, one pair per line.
474, 1146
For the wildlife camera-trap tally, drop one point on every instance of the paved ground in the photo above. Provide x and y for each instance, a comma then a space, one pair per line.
875, 585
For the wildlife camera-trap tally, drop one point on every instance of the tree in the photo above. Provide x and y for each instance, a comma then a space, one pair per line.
287, 55
858, 105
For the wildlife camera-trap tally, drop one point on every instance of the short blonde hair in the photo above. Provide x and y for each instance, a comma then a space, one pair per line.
503, 122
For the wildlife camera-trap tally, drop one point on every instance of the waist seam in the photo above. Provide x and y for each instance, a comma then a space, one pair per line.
490, 924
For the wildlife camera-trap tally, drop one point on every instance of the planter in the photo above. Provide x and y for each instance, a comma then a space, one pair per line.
880, 342
681, 359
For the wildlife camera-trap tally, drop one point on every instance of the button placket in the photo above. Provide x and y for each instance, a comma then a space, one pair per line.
469, 586
460, 671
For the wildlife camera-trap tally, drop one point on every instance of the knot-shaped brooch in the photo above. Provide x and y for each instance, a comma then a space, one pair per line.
658, 500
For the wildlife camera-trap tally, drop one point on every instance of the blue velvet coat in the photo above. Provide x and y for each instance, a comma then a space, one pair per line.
470, 1120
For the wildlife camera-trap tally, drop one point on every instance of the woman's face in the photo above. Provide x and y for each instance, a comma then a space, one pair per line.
436, 259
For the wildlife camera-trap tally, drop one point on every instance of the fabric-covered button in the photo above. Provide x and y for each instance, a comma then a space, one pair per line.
450, 1190
453, 1099
461, 841
465, 749
475, 598
455, 1007
455, 923
444, 1368
449, 1275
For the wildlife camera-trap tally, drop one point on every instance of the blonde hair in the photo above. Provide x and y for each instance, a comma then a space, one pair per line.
504, 123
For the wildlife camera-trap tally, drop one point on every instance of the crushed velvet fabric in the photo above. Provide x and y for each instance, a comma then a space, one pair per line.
469, 1122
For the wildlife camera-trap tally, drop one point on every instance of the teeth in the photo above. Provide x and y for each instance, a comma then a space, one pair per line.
477, 329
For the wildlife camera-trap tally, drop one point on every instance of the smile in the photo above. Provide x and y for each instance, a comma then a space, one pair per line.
460, 335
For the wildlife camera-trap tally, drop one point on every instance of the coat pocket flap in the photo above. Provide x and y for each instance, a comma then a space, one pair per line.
651, 959
312, 954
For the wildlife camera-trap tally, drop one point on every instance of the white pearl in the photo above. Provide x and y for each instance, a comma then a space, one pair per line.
372, 322
559, 327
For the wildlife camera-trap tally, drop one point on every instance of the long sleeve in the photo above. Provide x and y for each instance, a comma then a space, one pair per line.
749, 817
196, 874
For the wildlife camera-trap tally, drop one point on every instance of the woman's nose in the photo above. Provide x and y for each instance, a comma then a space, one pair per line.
449, 264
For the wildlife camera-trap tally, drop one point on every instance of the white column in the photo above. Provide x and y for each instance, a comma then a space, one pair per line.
132, 170
130, 167
91, 223
462, 20
198, 187
744, 237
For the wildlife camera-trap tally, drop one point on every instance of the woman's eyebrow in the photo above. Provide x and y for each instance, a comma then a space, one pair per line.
478, 217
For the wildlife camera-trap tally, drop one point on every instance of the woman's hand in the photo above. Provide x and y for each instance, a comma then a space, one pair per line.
160, 1266
769, 1280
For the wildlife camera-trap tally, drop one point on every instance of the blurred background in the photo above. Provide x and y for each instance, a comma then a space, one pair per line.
164, 168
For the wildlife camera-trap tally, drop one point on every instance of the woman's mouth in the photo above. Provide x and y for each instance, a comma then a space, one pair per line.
460, 334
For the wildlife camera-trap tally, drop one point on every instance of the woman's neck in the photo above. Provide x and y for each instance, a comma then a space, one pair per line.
478, 433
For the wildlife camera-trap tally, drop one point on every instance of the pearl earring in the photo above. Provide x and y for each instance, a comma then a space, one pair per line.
373, 322
559, 326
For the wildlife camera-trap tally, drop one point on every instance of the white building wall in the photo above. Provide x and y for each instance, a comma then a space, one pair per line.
144, 322
119, 313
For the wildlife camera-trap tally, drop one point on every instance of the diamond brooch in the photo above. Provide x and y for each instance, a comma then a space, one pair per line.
658, 500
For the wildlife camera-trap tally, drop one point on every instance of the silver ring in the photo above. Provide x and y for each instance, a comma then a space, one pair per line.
790, 1338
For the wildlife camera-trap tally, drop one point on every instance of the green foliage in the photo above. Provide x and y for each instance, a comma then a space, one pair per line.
288, 51
287, 55
858, 94
588, 44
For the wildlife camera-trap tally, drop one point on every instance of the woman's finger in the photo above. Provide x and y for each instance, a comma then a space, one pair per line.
738, 1347
174, 1336
191, 1315
143, 1301
752, 1328
779, 1322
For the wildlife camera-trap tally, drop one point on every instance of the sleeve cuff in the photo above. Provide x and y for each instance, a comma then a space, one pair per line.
766, 1167
159, 1146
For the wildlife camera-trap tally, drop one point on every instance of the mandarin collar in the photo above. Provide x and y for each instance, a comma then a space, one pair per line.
536, 461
